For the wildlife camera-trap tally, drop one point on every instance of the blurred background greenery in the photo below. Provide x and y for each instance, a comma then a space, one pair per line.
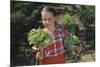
26, 16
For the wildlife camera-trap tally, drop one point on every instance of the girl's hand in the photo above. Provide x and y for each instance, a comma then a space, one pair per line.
79, 49
39, 56
35, 48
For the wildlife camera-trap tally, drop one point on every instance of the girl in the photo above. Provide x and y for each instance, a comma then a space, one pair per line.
52, 54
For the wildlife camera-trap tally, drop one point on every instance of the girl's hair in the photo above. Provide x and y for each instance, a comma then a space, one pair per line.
49, 9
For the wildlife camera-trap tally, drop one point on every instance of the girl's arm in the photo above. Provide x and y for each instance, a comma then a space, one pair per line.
40, 54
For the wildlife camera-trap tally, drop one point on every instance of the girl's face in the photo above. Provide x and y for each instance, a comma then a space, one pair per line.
48, 19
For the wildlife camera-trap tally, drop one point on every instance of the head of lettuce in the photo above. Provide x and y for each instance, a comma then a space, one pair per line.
39, 37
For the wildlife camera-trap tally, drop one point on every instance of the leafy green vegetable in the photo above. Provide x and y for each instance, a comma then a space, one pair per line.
72, 39
69, 24
39, 37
